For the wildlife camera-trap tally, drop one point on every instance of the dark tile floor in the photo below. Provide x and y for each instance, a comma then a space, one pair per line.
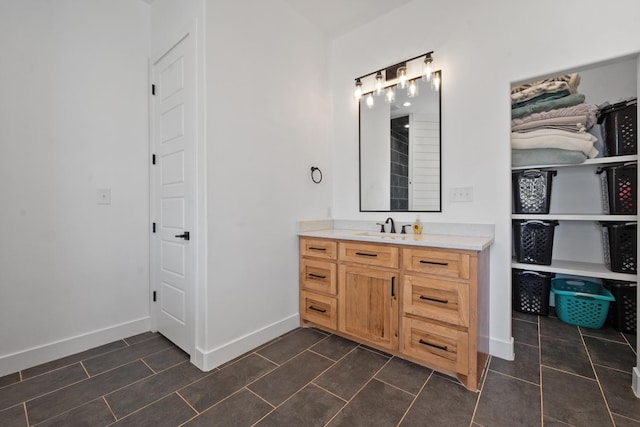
562, 375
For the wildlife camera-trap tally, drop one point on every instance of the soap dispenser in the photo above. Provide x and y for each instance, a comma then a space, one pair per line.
417, 226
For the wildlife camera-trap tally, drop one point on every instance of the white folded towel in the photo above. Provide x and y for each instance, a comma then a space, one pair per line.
553, 138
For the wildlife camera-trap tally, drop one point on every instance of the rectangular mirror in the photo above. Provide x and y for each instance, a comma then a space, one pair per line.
400, 151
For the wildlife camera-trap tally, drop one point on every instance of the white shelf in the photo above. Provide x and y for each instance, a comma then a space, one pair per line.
577, 217
576, 268
589, 162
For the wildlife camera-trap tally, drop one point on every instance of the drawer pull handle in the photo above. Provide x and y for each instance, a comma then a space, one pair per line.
313, 248
434, 263
321, 310
439, 347
441, 301
366, 254
393, 286
316, 276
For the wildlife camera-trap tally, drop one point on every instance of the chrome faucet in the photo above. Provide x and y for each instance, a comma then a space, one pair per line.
393, 225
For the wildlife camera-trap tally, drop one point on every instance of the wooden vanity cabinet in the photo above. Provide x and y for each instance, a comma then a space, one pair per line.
427, 305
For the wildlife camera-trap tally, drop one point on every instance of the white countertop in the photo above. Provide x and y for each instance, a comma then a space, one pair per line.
449, 241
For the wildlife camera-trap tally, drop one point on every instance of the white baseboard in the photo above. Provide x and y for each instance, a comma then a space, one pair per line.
502, 349
207, 360
635, 381
48, 352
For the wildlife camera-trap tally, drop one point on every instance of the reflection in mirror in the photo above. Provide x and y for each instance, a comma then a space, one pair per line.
400, 151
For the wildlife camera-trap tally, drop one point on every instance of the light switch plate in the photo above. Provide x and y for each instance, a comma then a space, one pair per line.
103, 196
461, 194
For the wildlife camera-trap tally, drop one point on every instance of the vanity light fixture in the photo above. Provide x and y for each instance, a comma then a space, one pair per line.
379, 83
436, 81
390, 95
402, 77
427, 70
369, 100
403, 74
358, 92
412, 90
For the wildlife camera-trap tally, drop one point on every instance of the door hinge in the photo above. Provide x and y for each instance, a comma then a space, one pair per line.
154, 296
153, 89
154, 227
153, 159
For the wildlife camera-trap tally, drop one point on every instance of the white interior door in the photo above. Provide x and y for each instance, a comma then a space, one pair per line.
173, 241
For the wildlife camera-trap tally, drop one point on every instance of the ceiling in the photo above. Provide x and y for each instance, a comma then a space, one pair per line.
338, 17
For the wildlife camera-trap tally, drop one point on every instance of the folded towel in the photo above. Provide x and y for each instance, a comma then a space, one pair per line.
546, 156
551, 138
570, 124
589, 111
566, 101
572, 80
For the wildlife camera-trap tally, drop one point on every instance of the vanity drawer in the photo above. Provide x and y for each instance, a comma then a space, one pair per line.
438, 346
319, 248
436, 299
318, 276
319, 309
439, 262
379, 255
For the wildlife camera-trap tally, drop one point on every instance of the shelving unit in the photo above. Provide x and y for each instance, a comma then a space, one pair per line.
576, 194
574, 267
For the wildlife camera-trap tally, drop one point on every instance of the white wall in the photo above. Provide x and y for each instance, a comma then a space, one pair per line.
73, 119
481, 47
267, 124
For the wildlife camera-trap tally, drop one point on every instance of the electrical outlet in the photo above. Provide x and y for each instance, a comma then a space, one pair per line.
461, 194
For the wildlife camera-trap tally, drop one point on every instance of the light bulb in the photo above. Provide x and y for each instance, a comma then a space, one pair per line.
358, 91
390, 95
402, 77
412, 90
436, 82
427, 70
379, 83
370, 100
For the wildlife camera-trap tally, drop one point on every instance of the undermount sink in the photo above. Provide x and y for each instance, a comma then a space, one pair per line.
383, 235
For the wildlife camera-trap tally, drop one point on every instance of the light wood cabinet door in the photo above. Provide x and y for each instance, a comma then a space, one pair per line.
375, 255
439, 346
368, 304
434, 298
319, 248
318, 276
438, 262
319, 309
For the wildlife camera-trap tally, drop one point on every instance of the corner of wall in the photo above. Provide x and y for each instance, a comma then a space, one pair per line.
502, 349
206, 360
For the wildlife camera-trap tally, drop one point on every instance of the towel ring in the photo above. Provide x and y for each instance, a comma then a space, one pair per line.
314, 178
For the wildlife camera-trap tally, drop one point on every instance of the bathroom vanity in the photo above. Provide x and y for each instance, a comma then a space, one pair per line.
424, 298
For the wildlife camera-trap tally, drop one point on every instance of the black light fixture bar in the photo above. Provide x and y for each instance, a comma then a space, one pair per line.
395, 66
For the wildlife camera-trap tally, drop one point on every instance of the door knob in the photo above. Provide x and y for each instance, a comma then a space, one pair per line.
184, 236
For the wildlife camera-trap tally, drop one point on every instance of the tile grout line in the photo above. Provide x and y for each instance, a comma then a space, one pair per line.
595, 373
273, 407
104, 398
85, 370
415, 398
70, 363
568, 372
310, 382
153, 370
475, 408
26, 414
327, 391
540, 372
396, 387
360, 389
